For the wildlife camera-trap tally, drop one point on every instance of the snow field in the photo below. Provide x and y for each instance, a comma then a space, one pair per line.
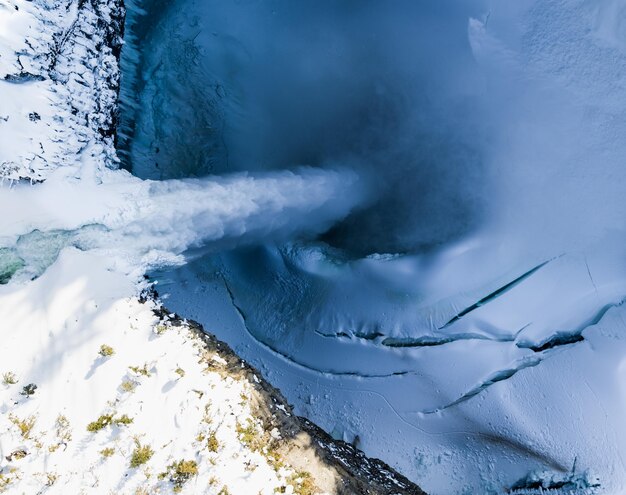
102, 361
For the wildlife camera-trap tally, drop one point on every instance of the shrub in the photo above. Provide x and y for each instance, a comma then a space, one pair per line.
107, 419
140, 371
102, 422
212, 444
28, 390
5, 481
129, 385
107, 452
141, 454
180, 372
106, 350
123, 420
302, 483
9, 378
16, 455
25, 425
250, 436
180, 472
51, 478
274, 459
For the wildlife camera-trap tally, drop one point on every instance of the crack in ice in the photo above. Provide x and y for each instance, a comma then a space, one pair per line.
497, 293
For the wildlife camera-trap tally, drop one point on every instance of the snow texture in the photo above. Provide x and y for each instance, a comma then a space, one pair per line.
59, 80
52, 333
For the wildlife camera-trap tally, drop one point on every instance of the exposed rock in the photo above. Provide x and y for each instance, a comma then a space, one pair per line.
335, 466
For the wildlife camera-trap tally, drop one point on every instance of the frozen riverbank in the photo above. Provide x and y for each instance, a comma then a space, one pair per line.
474, 413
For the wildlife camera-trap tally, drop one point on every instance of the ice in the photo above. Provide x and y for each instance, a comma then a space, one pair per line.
9, 264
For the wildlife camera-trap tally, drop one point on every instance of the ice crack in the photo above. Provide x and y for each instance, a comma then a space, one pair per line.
495, 294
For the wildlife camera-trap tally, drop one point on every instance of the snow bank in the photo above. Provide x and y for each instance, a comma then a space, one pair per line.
87, 348
58, 84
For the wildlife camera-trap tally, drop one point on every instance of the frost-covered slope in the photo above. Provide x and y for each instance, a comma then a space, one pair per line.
59, 81
96, 354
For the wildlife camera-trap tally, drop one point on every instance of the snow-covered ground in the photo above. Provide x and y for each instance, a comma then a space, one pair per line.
59, 78
94, 352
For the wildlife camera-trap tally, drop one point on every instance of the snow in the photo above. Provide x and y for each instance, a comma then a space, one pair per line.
52, 332
58, 81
